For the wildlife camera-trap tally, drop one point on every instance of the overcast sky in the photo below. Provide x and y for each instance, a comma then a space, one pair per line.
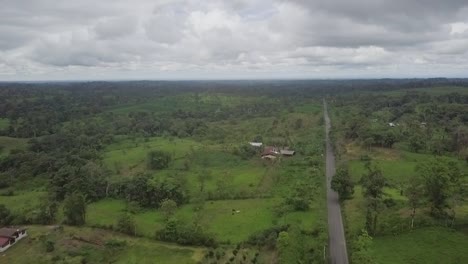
230, 39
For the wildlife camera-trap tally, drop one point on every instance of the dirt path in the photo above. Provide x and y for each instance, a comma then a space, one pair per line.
337, 241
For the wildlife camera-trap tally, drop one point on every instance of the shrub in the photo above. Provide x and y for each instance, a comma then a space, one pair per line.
115, 243
267, 237
49, 245
158, 159
126, 224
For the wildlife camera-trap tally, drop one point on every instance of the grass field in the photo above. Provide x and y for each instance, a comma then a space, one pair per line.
397, 166
216, 217
86, 245
127, 154
23, 201
449, 247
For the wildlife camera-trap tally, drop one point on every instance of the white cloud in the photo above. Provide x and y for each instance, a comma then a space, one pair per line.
44, 39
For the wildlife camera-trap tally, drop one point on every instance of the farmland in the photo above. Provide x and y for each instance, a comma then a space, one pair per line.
221, 194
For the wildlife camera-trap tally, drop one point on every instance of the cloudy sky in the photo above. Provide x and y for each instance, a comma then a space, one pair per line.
230, 39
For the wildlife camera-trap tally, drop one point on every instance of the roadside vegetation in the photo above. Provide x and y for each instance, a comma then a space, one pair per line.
404, 166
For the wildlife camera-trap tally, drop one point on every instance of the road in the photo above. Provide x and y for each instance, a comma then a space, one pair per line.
337, 241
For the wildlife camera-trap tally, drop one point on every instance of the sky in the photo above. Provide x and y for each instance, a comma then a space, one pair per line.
232, 39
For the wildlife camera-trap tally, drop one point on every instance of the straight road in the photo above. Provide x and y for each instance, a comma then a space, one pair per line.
337, 240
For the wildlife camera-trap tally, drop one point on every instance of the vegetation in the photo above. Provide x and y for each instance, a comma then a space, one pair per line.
145, 163
407, 160
148, 160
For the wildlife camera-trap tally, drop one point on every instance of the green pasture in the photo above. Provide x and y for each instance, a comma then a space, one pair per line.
22, 201
397, 168
422, 246
216, 217
87, 245
254, 215
127, 154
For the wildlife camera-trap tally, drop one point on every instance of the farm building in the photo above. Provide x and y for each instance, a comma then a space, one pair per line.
274, 151
287, 152
10, 236
256, 144
269, 150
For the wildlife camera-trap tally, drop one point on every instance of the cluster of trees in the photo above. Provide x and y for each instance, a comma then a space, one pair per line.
185, 234
148, 192
423, 122
439, 185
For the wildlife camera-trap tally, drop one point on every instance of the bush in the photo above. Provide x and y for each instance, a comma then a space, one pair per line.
267, 237
126, 224
185, 234
8, 192
158, 159
5, 215
115, 243
49, 245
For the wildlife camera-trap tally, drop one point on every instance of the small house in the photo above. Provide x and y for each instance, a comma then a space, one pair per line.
10, 236
5, 243
270, 151
391, 124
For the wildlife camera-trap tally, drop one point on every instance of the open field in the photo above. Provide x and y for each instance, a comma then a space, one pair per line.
22, 201
448, 246
216, 217
86, 245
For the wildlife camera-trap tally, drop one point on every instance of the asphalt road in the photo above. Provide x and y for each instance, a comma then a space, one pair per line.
337, 241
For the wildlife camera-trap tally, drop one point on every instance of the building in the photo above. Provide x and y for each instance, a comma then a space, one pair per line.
256, 144
287, 152
270, 151
10, 236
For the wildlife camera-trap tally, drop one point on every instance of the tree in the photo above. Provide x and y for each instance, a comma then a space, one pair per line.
283, 244
158, 159
361, 249
168, 207
300, 196
47, 212
5, 215
203, 176
442, 181
74, 209
343, 184
414, 192
126, 224
298, 124
373, 183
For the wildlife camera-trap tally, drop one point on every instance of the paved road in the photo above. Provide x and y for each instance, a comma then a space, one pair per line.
337, 241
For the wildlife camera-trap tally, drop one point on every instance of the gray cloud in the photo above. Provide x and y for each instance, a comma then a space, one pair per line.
44, 39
